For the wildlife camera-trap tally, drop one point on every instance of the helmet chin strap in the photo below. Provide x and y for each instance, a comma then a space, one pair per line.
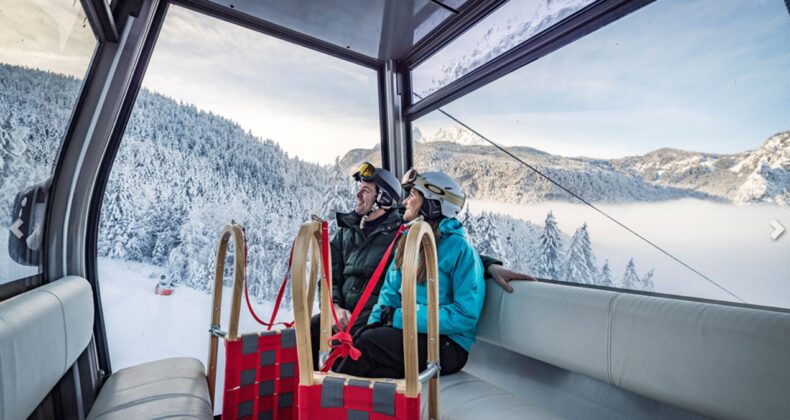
364, 219
373, 208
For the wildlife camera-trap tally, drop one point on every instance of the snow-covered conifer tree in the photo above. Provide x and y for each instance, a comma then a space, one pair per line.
647, 281
579, 264
486, 238
630, 278
339, 191
606, 278
550, 243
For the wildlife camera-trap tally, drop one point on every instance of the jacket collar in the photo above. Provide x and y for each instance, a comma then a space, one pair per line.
392, 219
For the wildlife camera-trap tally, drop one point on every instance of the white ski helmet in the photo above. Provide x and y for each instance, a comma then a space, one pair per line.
443, 195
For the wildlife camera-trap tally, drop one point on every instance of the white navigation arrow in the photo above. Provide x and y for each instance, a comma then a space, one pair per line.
778, 229
15, 228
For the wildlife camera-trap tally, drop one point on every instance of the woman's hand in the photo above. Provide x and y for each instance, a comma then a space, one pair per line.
502, 276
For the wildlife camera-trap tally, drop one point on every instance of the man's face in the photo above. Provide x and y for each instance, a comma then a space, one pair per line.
366, 196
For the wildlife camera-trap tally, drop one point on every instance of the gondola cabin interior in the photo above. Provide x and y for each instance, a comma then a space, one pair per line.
632, 154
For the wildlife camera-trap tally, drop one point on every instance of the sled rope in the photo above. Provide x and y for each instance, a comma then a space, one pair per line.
346, 347
280, 294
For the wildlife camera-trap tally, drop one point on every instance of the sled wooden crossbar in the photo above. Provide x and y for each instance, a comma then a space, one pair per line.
420, 244
236, 232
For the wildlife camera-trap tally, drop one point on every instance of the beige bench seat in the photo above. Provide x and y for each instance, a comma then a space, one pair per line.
169, 388
44, 331
465, 396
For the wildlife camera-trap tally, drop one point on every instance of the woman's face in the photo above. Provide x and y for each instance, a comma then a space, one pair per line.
413, 203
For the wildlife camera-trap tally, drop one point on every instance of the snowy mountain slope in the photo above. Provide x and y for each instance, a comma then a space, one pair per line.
487, 174
665, 174
761, 175
179, 176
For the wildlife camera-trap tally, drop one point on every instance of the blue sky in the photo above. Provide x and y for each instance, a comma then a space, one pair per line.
697, 75
708, 76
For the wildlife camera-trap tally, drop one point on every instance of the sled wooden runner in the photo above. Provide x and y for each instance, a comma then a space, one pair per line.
261, 371
332, 395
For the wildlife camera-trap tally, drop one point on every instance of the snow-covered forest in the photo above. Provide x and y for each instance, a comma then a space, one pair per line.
34, 110
545, 252
182, 173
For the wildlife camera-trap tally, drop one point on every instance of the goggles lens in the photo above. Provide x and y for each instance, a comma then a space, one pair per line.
365, 171
407, 181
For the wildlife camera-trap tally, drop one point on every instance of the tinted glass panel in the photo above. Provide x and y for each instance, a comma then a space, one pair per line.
231, 125
45, 49
672, 121
513, 23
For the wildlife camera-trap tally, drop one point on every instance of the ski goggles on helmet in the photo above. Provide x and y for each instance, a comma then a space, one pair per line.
412, 179
365, 172
408, 179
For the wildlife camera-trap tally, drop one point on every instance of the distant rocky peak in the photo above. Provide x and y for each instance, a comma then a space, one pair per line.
416, 135
459, 135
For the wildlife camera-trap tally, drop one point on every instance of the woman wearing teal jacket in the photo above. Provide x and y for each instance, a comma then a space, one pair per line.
438, 198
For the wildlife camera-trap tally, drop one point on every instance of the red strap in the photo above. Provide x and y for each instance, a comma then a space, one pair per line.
343, 349
346, 345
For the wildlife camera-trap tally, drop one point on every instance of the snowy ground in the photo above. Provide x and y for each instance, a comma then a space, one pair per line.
728, 243
142, 326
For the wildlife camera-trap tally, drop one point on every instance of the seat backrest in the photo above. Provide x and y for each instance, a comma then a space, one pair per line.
42, 333
717, 360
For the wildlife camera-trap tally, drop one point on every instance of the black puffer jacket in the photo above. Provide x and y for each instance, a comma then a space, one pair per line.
355, 257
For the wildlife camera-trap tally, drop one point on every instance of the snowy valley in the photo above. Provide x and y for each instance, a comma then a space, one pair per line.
755, 176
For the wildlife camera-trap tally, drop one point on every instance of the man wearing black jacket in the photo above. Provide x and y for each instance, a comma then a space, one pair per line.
361, 241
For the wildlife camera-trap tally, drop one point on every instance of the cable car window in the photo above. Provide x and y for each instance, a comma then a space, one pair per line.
513, 23
656, 155
231, 125
45, 49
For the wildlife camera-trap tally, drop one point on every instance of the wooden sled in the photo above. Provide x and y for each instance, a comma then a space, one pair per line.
332, 395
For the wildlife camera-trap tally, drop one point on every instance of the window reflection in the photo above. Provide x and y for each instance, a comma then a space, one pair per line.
45, 50
513, 23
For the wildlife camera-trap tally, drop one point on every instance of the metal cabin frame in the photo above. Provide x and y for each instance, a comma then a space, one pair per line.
127, 31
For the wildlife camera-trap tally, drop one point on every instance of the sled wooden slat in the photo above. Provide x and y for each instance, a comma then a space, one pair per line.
235, 231
309, 238
420, 242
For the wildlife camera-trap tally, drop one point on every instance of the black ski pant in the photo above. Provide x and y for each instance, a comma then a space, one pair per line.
382, 354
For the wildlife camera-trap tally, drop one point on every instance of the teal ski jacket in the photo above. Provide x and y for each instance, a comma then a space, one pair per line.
461, 289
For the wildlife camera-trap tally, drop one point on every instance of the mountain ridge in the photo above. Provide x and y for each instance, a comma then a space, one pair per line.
752, 176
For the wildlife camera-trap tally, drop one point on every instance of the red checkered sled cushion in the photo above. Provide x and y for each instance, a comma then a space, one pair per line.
355, 399
261, 376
